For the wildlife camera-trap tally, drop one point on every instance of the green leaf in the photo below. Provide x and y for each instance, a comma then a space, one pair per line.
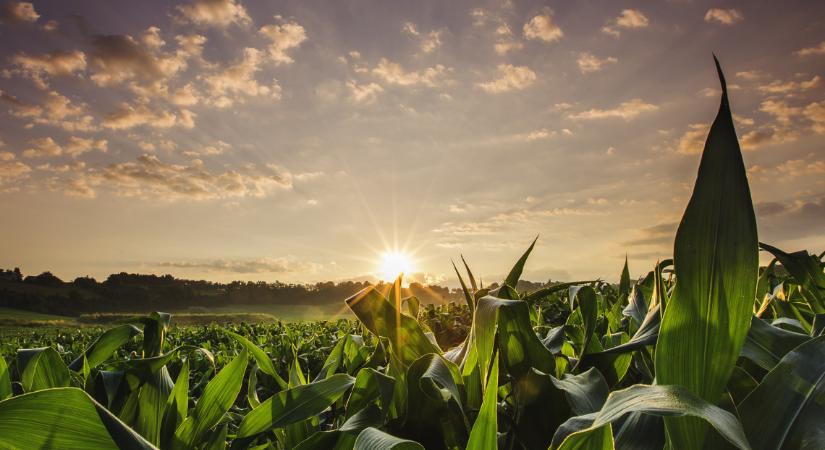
667, 401
370, 385
5, 379
484, 433
624, 280
41, 368
515, 272
716, 264
599, 438
295, 404
177, 404
152, 405
469, 274
218, 396
383, 319
585, 393
263, 361
518, 343
806, 271
63, 418
767, 344
787, 409
343, 438
104, 346
468, 297
375, 439
434, 410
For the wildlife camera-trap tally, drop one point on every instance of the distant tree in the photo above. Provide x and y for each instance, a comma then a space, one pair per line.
44, 279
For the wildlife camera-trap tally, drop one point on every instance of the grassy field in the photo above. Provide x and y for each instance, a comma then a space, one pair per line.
15, 318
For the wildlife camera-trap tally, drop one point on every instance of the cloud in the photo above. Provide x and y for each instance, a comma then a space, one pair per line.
541, 27
767, 135
363, 94
628, 19
239, 78
505, 40
18, 12
628, 110
214, 13
42, 147
12, 171
815, 112
283, 37
693, 141
128, 116
393, 73
511, 78
789, 87
78, 146
793, 218
55, 110
150, 178
589, 63
427, 42
58, 63
723, 16
801, 167
816, 50
780, 110
116, 58
246, 266
539, 134
660, 235
218, 148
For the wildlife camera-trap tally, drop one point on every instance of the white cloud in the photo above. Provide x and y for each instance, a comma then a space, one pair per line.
815, 112
128, 116
214, 13
589, 63
283, 37
239, 79
59, 63
626, 110
724, 16
18, 12
246, 266
77, 146
801, 167
541, 27
364, 94
393, 73
42, 147
510, 78
789, 87
427, 42
693, 141
812, 51
628, 19
149, 178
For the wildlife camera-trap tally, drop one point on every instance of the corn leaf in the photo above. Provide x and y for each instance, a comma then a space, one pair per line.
716, 264
787, 409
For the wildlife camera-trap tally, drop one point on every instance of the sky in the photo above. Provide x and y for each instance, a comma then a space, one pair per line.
301, 140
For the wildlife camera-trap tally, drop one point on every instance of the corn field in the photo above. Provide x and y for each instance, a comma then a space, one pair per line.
707, 350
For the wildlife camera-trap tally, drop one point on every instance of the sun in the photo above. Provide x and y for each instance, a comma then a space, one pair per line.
394, 263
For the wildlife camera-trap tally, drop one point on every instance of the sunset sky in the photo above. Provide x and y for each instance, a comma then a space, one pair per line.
298, 140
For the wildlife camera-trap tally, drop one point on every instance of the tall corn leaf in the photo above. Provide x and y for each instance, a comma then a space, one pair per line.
787, 409
63, 418
218, 396
515, 272
716, 264
484, 434
294, 405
